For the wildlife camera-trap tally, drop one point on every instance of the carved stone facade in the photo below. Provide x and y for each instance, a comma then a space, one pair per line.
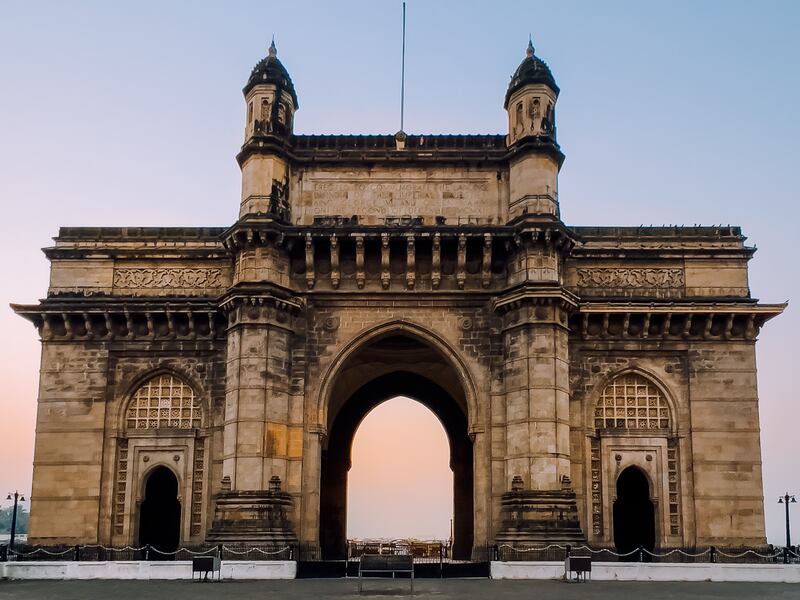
242, 359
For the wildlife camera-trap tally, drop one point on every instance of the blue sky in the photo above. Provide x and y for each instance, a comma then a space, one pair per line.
672, 112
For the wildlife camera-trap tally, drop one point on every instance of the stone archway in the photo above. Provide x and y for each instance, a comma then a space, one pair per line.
634, 513
160, 512
397, 364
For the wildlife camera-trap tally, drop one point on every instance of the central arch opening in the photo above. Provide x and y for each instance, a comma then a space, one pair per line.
160, 513
400, 484
392, 366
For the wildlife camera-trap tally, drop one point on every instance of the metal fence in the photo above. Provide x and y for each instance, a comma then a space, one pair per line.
711, 554
99, 552
430, 553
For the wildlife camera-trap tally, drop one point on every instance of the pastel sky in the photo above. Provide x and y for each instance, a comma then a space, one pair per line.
131, 113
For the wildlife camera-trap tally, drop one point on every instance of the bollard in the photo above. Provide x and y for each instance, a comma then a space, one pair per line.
496, 552
712, 554
785, 555
147, 552
568, 551
641, 554
219, 551
76, 555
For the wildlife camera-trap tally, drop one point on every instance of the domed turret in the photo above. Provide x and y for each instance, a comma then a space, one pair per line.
531, 70
271, 103
531, 99
531, 105
271, 98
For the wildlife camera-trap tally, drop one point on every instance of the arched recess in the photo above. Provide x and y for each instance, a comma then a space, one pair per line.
395, 364
632, 423
162, 422
160, 512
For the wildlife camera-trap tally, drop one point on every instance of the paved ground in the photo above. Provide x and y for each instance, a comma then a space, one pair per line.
461, 589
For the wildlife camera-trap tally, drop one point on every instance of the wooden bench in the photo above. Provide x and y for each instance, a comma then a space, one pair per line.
580, 565
205, 565
390, 563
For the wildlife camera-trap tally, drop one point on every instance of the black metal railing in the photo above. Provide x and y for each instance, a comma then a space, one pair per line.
430, 553
99, 552
711, 554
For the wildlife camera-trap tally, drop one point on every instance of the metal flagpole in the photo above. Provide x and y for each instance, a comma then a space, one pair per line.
403, 72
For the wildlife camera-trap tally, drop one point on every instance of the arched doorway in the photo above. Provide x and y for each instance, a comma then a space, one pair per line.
394, 365
160, 512
634, 513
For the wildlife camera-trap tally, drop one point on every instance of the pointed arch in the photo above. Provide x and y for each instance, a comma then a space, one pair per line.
415, 331
139, 490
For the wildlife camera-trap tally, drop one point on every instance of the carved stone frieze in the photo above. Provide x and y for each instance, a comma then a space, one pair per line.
655, 278
168, 277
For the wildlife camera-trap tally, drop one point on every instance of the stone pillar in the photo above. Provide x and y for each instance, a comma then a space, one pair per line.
540, 503
260, 440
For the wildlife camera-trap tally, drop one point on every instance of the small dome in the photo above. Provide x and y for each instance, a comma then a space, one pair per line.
531, 70
271, 70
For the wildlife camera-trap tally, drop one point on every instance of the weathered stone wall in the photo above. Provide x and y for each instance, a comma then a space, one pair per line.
726, 447
68, 454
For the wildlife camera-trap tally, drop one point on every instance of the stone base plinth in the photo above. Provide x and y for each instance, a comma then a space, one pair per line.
256, 516
547, 516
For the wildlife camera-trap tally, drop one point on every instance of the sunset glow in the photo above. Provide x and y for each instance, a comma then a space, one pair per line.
400, 484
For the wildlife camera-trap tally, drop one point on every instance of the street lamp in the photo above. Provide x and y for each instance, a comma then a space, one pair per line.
17, 497
786, 499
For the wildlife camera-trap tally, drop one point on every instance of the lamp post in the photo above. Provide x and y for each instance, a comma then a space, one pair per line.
17, 497
787, 499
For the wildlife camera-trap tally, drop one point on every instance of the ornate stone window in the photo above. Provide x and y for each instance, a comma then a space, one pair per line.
164, 401
631, 401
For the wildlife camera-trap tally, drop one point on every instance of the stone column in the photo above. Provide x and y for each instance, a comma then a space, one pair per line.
538, 503
259, 437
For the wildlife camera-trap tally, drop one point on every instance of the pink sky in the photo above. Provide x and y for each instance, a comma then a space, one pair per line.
400, 484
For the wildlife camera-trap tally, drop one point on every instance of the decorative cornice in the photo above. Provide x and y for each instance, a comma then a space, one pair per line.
108, 319
537, 295
418, 149
241, 297
706, 321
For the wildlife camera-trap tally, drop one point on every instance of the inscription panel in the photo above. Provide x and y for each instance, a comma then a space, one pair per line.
372, 196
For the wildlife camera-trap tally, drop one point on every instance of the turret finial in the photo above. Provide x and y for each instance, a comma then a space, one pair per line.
273, 51
530, 50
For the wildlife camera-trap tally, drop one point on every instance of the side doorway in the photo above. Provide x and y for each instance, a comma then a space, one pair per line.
634, 513
160, 513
